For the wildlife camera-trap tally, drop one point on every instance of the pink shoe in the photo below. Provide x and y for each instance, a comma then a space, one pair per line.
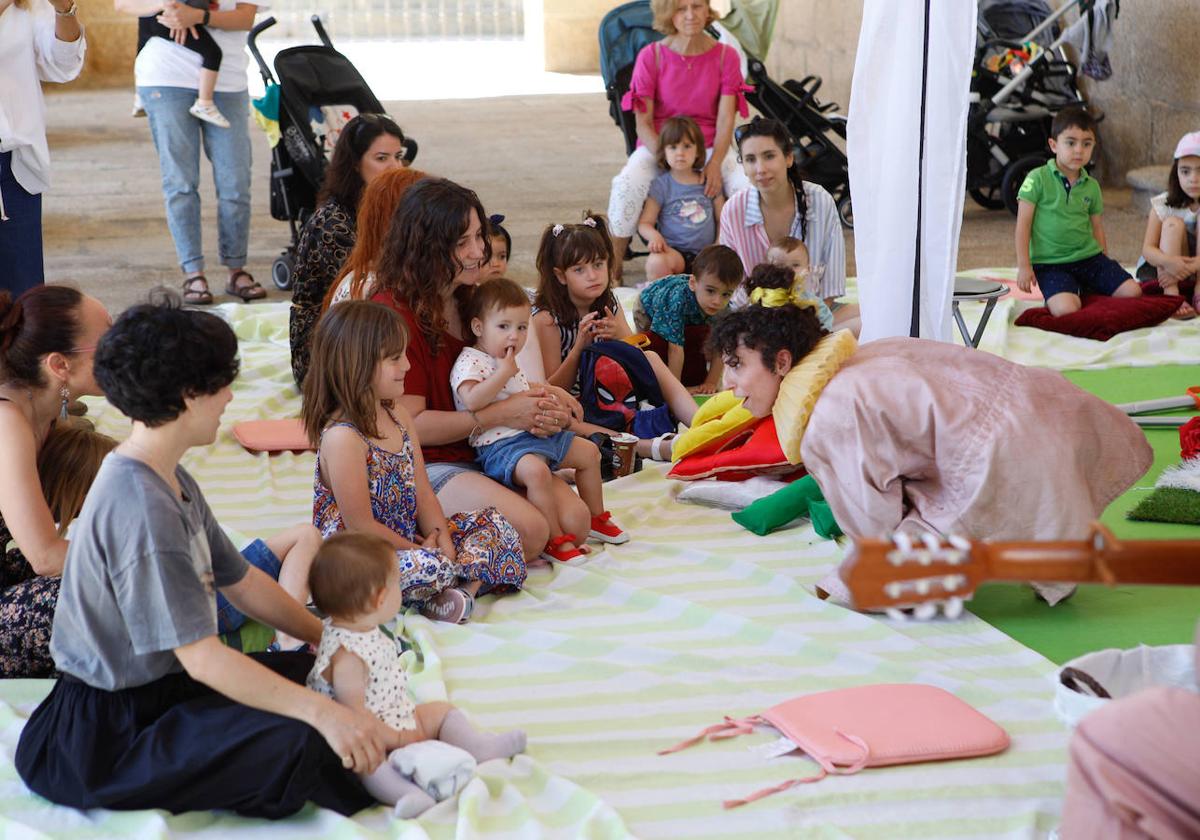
451, 605
605, 530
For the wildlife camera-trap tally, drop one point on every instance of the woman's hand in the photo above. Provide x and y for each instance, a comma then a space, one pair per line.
360, 738
712, 177
181, 19
536, 411
573, 406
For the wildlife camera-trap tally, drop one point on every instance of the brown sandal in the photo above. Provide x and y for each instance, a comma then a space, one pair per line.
197, 295
247, 291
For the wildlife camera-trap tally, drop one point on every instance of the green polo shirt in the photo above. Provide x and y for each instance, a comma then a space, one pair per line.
1062, 223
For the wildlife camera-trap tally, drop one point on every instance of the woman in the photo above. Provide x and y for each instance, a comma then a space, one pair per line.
783, 204
920, 434
39, 42
369, 145
433, 258
151, 710
687, 74
47, 339
167, 75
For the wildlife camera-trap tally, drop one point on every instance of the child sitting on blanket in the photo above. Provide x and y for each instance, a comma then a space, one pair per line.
667, 307
370, 475
1060, 237
355, 582
791, 253
487, 373
1169, 252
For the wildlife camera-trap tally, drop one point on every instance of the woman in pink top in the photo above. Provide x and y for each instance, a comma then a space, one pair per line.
686, 74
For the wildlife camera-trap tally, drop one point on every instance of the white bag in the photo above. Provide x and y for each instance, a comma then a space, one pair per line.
1119, 673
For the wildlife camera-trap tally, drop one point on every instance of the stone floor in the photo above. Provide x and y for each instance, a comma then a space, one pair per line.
536, 159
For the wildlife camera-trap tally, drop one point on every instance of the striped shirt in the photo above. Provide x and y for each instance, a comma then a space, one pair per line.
742, 229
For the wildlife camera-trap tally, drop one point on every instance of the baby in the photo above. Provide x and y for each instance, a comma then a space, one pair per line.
355, 582
487, 373
791, 253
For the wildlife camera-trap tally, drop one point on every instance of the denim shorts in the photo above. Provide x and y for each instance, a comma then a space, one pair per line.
499, 459
229, 617
440, 472
1101, 275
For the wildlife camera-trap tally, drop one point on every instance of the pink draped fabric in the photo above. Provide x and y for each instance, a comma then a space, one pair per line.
952, 440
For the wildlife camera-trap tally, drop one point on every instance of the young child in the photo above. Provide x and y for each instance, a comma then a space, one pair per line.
1169, 246
487, 373
668, 307
370, 475
200, 41
790, 252
501, 248
355, 583
678, 219
1060, 238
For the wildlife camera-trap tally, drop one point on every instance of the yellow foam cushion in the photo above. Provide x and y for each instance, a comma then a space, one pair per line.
720, 416
802, 385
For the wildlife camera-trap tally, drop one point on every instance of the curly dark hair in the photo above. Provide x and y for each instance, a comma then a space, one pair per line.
777, 131
418, 261
157, 354
767, 329
342, 181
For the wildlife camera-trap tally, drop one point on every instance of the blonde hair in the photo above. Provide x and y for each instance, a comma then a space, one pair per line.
67, 465
664, 10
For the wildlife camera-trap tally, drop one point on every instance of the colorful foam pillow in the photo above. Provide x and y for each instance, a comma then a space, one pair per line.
800, 388
1102, 316
719, 418
749, 452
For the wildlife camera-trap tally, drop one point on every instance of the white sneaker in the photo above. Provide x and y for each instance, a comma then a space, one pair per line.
209, 113
139, 110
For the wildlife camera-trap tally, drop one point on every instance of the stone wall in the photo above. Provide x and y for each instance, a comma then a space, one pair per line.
112, 44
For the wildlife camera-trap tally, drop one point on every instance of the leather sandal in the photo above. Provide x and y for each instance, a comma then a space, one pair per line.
197, 295
247, 291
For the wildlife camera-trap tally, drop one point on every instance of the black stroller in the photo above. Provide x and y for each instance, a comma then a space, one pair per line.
1015, 95
310, 77
629, 27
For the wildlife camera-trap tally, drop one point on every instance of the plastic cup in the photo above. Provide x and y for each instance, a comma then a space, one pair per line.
624, 453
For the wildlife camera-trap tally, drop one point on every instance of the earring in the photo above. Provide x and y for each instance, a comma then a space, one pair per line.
65, 393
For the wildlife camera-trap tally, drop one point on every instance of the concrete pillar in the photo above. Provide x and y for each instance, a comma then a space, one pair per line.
571, 34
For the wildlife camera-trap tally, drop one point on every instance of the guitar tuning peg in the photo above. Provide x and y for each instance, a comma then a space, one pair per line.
926, 611
896, 614
953, 607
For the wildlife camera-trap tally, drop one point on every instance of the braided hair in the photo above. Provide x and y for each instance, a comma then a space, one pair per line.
775, 130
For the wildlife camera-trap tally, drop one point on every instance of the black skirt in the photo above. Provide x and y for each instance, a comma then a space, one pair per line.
178, 745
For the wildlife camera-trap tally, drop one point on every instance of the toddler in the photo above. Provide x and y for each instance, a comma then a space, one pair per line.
487, 373
1169, 246
1060, 238
200, 41
355, 583
790, 252
676, 311
678, 219
497, 266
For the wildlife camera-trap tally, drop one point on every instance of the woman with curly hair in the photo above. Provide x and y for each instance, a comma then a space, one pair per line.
433, 259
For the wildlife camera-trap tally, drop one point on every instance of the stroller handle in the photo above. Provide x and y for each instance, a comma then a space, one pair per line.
321, 33
252, 43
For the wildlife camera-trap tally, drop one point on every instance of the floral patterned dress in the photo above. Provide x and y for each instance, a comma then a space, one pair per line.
27, 602
488, 546
325, 243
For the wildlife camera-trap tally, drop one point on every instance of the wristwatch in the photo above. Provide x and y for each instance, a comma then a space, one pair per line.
207, 15
69, 12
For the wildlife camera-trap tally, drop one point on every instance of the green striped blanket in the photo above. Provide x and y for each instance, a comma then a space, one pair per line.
604, 664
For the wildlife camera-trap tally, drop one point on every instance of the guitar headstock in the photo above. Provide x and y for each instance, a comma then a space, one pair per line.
910, 572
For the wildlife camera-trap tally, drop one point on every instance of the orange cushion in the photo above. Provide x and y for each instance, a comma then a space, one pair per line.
750, 452
272, 435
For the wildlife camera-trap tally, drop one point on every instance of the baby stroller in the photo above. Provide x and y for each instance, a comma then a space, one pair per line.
318, 91
1021, 79
629, 27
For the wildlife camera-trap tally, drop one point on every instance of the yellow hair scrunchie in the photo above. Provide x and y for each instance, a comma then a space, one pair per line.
771, 298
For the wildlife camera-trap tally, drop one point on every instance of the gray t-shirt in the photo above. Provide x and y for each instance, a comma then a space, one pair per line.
685, 218
139, 577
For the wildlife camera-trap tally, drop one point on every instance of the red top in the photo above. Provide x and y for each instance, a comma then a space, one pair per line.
429, 377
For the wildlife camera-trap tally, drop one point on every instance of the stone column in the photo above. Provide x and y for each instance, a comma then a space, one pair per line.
571, 30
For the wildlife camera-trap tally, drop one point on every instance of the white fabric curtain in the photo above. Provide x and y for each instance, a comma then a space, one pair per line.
884, 146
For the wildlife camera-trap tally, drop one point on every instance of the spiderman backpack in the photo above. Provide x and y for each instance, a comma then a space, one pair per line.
618, 390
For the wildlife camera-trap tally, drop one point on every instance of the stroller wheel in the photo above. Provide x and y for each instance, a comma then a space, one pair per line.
281, 271
1014, 177
845, 211
988, 197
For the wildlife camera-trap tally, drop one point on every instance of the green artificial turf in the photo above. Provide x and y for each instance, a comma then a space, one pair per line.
1099, 617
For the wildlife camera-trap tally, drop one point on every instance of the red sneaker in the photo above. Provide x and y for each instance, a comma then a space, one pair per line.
562, 549
605, 530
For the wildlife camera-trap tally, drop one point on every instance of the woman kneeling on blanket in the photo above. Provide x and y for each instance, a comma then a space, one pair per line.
916, 434
151, 710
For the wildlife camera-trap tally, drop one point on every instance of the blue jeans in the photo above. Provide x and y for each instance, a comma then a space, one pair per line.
178, 137
20, 233
229, 617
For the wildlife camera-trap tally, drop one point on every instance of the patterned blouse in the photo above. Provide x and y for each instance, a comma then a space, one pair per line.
325, 243
387, 694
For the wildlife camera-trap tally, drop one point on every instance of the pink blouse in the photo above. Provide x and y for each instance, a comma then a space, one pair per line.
686, 86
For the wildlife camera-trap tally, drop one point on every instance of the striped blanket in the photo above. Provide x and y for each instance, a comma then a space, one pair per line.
604, 664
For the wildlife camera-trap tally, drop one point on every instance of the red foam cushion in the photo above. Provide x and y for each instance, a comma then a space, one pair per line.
1102, 316
753, 451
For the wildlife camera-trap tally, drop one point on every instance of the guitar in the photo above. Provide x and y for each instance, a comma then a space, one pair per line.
906, 572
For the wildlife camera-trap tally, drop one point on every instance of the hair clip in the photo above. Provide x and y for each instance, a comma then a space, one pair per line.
556, 230
590, 221
496, 218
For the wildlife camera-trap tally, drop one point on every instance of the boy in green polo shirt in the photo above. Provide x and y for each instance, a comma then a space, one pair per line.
1060, 238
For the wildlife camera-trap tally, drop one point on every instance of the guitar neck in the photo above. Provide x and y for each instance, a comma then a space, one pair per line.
1164, 562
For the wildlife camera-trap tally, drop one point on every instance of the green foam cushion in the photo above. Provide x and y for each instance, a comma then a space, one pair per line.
780, 508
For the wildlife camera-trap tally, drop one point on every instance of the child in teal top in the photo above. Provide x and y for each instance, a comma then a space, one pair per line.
1060, 237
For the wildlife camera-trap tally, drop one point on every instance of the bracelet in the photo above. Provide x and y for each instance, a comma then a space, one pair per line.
207, 17
478, 426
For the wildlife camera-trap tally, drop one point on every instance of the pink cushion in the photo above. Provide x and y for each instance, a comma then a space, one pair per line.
1102, 316
272, 435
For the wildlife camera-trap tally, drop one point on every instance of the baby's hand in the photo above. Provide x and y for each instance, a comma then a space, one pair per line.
508, 362
1026, 279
